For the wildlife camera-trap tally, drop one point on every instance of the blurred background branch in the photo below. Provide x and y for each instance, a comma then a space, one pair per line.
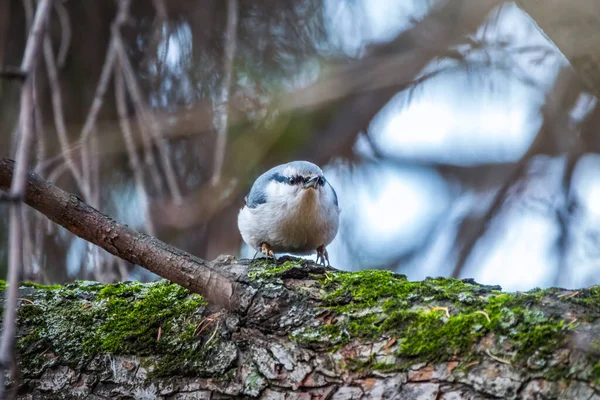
18, 183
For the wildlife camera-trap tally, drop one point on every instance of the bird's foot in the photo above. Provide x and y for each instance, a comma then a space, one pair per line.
265, 249
322, 256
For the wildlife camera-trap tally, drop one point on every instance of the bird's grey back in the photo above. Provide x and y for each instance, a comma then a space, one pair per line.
257, 193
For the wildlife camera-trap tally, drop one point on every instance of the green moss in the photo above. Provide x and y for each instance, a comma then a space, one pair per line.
384, 367
434, 320
530, 330
2, 285
369, 288
267, 269
330, 335
589, 298
428, 336
136, 313
596, 373
81, 320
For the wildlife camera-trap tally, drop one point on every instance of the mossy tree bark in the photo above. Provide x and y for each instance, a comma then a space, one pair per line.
295, 330
292, 330
309, 332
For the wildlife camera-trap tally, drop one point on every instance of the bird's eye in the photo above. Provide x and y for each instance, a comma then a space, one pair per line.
292, 180
321, 180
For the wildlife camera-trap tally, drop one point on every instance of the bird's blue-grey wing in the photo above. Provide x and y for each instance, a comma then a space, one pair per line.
257, 195
335, 198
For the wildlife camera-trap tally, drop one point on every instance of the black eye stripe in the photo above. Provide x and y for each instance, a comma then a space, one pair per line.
294, 180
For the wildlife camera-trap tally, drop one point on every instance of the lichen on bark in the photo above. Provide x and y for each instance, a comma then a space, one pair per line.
310, 330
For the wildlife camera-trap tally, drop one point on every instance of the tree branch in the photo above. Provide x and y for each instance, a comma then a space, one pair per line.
321, 334
72, 213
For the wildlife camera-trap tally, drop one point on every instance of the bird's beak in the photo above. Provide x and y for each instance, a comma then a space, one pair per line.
312, 182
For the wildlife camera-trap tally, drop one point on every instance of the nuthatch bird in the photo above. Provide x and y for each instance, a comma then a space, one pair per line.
291, 208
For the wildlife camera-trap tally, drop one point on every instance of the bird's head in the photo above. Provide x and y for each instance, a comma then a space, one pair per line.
290, 183
298, 180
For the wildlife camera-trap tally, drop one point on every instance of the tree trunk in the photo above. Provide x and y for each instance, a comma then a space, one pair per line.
310, 332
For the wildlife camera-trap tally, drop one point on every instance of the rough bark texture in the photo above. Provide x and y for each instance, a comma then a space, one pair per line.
310, 332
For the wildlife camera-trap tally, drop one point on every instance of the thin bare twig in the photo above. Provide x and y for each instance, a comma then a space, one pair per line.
40, 135
107, 68
89, 157
134, 159
94, 172
59, 118
105, 75
17, 189
160, 23
28, 7
223, 102
161, 30
65, 26
96, 258
18, 73
39, 231
146, 117
27, 249
58, 170
149, 158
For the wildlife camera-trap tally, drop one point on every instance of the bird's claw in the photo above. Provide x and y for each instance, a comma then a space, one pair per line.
322, 256
266, 250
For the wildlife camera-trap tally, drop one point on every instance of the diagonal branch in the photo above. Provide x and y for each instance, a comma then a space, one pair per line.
67, 210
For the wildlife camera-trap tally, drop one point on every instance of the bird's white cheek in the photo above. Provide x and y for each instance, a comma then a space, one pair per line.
281, 192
